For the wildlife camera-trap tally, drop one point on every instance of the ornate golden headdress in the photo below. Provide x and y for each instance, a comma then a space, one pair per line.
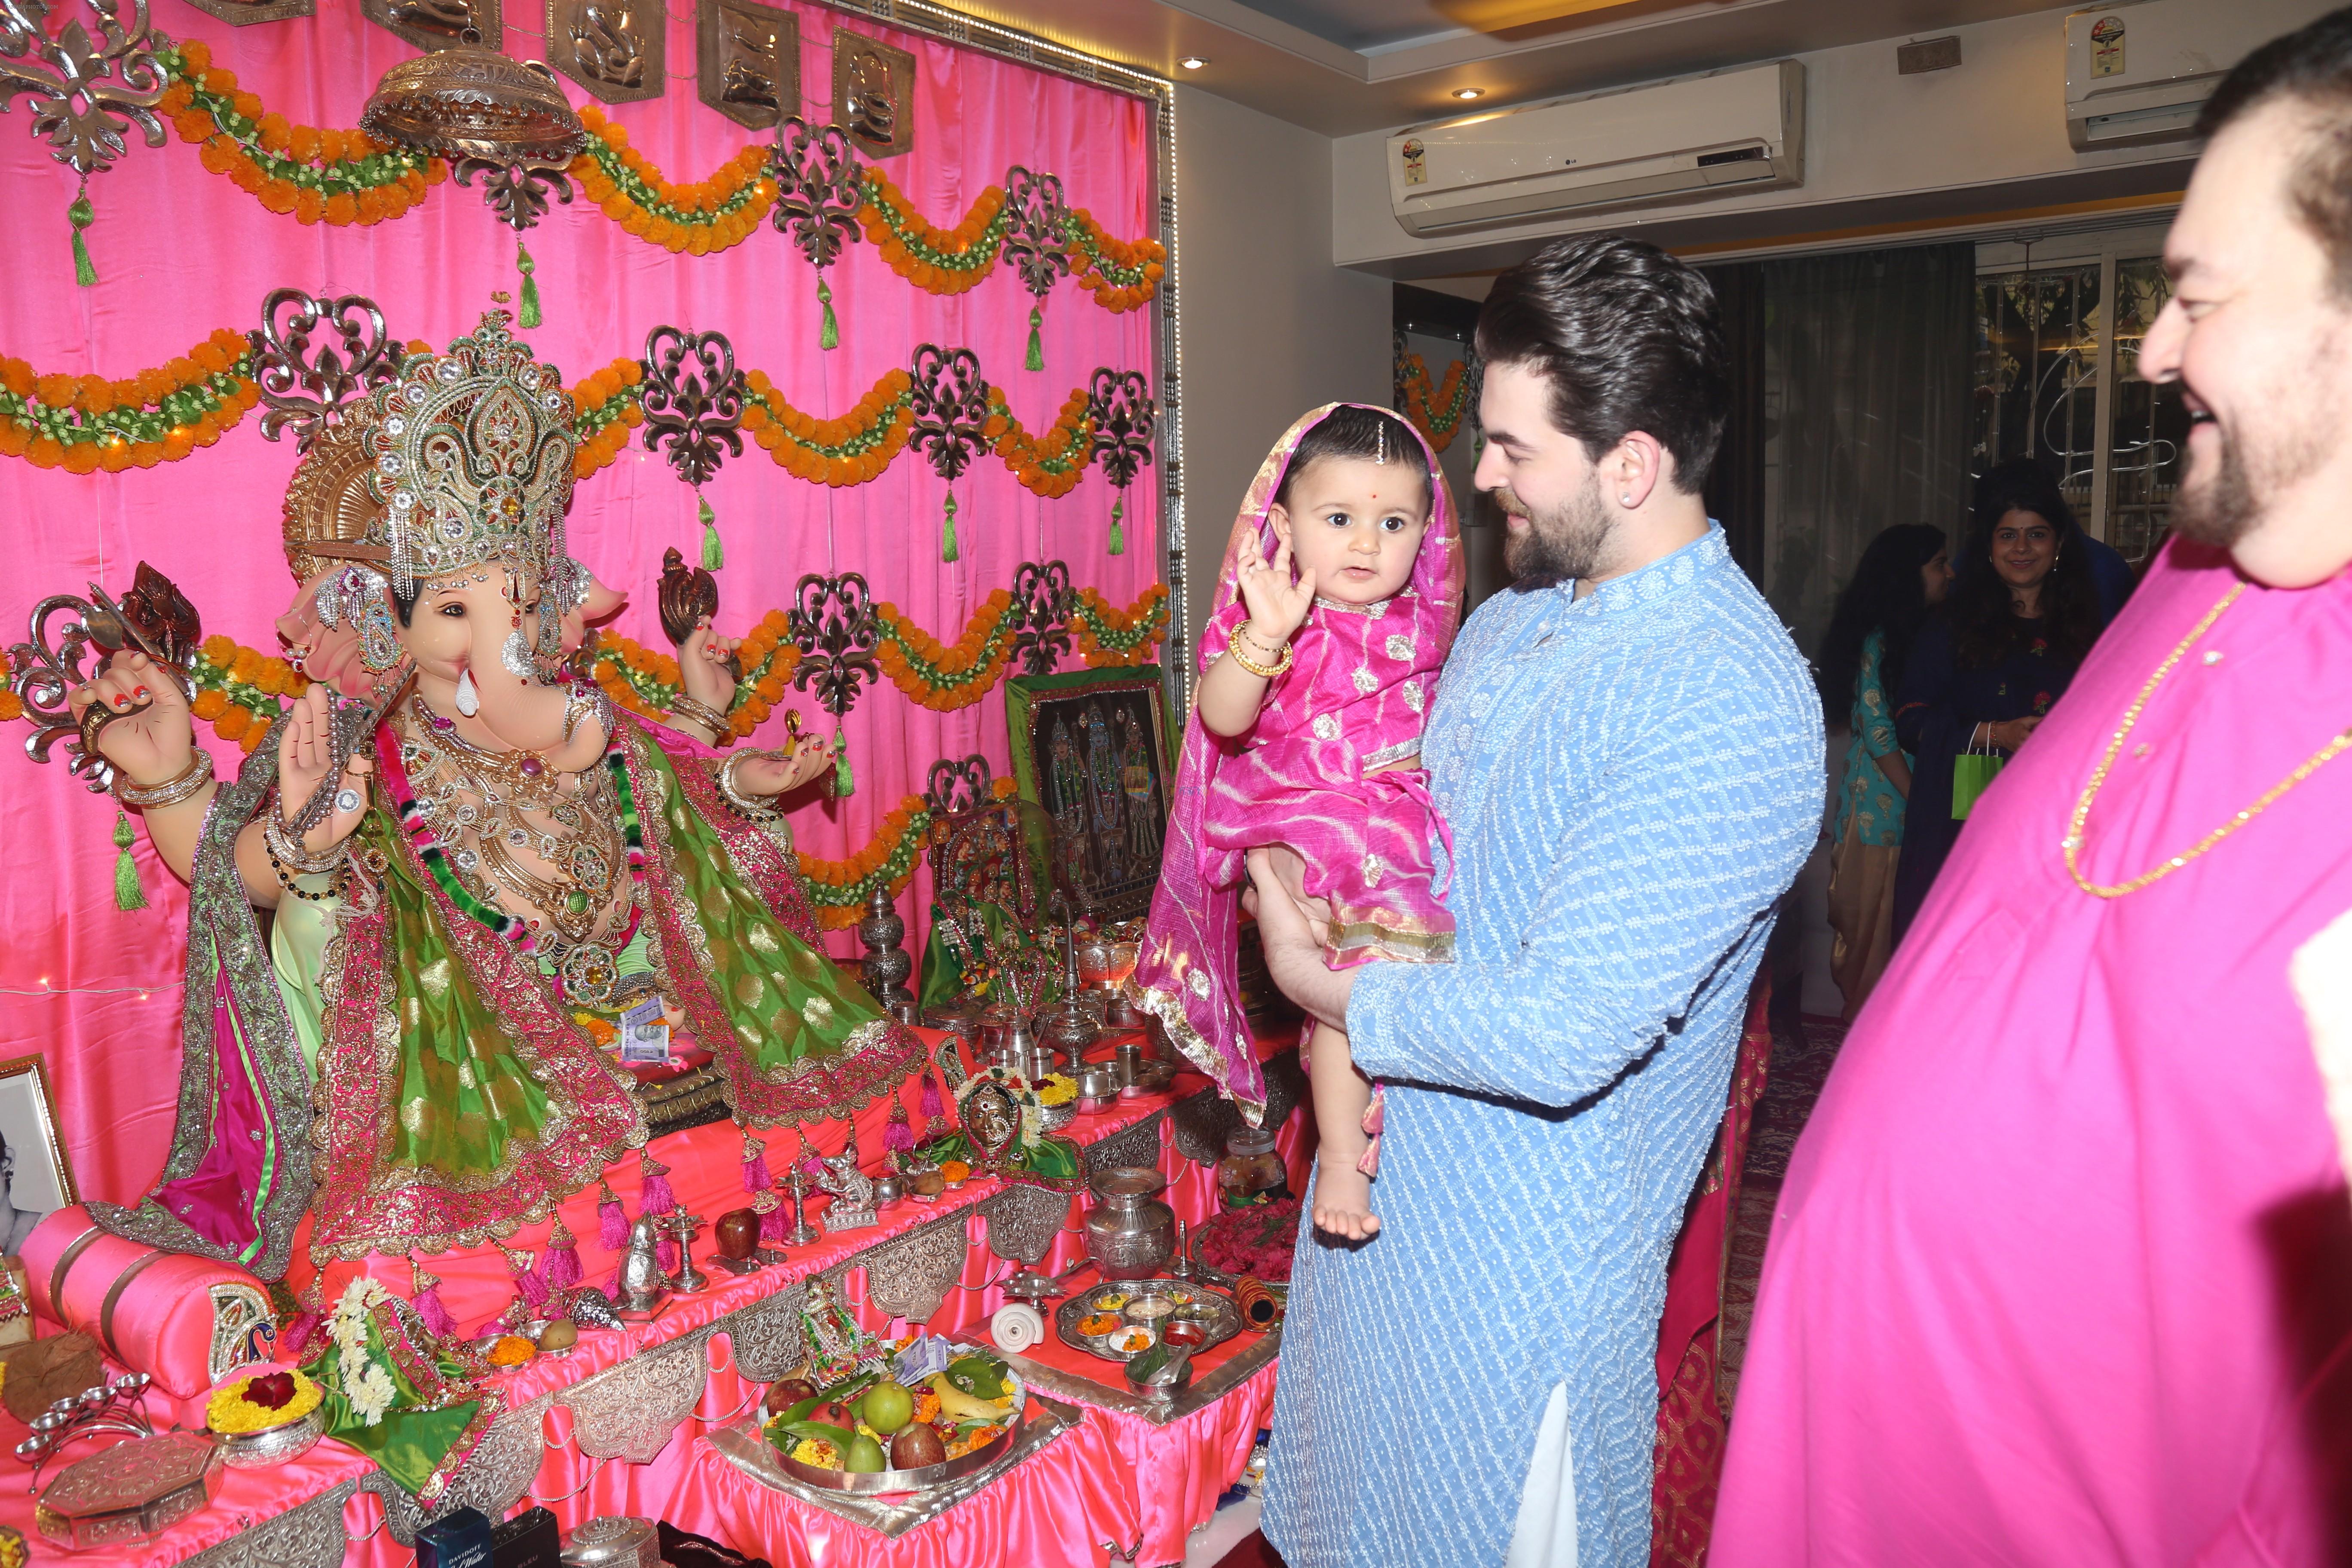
461, 460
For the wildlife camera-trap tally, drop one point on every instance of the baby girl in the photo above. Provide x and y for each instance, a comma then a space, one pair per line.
1336, 606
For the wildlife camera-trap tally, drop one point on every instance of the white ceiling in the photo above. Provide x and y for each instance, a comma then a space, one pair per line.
1345, 66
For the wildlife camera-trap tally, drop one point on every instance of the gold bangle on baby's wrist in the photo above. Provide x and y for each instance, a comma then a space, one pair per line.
1262, 671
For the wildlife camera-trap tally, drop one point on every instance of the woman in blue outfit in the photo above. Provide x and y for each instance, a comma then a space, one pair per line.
1902, 576
2020, 620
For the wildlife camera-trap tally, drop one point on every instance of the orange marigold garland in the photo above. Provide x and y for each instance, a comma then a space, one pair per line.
702, 219
1436, 415
1120, 275
938, 261
849, 451
85, 424
318, 175
940, 677
610, 406
1051, 464
1109, 636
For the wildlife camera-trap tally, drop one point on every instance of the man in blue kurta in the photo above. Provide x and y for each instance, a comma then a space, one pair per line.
1628, 752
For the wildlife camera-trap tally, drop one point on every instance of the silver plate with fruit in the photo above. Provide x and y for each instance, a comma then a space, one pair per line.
1147, 1310
913, 1478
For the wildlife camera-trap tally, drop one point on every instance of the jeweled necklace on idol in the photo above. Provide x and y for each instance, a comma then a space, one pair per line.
2074, 843
507, 801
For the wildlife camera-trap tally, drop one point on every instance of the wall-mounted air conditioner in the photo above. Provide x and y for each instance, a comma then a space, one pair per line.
1730, 130
2138, 72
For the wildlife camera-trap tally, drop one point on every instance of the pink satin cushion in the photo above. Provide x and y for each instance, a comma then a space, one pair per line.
161, 1320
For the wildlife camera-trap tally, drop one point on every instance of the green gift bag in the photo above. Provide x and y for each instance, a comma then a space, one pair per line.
1972, 773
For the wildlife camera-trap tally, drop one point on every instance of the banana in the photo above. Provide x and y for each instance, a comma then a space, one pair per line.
955, 1403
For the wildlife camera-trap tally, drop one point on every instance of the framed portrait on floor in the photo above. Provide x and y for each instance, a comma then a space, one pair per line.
34, 1181
1091, 747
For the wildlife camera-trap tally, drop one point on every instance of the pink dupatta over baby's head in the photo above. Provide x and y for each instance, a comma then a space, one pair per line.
1187, 975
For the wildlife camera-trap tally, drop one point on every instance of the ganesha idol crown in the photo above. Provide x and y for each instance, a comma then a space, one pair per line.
469, 458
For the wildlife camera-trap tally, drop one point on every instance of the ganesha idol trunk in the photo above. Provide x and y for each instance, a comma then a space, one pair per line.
185, 1321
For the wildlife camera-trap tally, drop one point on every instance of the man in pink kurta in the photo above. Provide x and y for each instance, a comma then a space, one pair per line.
2063, 1270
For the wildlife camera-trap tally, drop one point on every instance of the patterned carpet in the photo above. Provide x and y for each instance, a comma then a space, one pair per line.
1800, 1067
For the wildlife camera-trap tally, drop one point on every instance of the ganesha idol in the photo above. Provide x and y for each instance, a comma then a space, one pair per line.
476, 864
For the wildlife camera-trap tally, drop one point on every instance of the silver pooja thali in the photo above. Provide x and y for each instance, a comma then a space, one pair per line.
1145, 1307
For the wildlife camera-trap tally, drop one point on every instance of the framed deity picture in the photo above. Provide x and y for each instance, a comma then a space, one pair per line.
34, 1181
1091, 747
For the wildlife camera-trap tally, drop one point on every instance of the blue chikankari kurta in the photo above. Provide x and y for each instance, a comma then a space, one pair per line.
1632, 780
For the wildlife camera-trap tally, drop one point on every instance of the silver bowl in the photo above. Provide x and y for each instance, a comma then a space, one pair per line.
889, 1190
272, 1445
1056, 1117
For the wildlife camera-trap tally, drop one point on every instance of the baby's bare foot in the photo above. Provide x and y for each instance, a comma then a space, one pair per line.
1343, 1200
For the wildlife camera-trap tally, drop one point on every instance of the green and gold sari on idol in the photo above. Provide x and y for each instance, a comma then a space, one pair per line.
456, 1086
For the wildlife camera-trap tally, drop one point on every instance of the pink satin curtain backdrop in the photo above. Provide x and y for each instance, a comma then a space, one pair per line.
181, 251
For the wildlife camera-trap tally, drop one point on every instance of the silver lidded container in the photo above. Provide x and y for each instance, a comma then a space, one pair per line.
615, 1540
1129, 1232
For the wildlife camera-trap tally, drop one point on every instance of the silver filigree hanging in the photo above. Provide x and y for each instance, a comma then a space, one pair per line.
631, 1410
313, 354
154, 619
1034, 242
87, 91
950, 402
693, 399
1022, 1221
958, 785
820, 189
832, 623
1043, 598
908, 1276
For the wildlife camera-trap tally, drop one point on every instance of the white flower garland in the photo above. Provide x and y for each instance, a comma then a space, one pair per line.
366, 1384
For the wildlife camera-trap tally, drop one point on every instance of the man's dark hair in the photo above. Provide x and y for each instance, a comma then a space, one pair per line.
1628, 339
1349, 431
2313, 67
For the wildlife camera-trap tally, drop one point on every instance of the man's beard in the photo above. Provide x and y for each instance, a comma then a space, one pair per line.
2253, 473
1570, 543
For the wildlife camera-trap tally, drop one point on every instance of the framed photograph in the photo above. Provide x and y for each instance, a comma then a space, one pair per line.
1091, 746
35, 1181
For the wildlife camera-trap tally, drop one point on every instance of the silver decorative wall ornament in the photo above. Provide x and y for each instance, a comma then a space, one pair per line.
439, 24
746, 61
246, 13
874, 93
87, 91
306, 378
617, 49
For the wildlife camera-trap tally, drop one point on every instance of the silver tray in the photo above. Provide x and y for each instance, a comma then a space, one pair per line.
876, 1483
1213, 1311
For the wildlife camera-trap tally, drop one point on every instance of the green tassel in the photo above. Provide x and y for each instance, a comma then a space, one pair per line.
948, 551
830, 337
714, 556
1036, 337
1117, 538
528, 315
128, 893
81, 214
845, 782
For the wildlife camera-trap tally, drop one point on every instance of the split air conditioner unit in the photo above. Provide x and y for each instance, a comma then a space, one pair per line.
1727, 131
2138, 73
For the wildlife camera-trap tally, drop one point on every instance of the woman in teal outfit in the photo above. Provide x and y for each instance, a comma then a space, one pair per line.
1902, 576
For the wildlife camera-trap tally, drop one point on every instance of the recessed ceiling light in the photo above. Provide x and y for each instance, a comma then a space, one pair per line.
1466, 93
1192, 62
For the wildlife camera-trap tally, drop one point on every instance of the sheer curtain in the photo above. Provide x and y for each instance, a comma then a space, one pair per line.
1866, 393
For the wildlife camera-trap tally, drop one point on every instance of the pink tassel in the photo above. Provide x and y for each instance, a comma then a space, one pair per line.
933, 1107
667, 1255
561, 1268
425, 1297
756, 1178
898, 1138
772, 1225
657, 1197
527, 1284
611, 1221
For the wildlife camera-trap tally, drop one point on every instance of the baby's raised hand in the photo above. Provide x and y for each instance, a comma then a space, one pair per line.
1277, 606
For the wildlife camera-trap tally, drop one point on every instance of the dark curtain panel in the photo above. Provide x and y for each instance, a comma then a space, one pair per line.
1866, 375
1735, 486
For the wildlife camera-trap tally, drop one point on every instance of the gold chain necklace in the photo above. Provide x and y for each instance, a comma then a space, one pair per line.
2073, 843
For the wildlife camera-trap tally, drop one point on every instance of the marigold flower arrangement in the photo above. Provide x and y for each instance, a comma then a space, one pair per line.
1120, 275
849, 451
936, 260
1052, 464
264, 1400
699, 219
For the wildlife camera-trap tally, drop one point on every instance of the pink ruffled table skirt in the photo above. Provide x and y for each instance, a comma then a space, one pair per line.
1114, 1484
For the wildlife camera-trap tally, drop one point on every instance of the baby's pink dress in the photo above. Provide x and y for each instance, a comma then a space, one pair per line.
1329, 769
